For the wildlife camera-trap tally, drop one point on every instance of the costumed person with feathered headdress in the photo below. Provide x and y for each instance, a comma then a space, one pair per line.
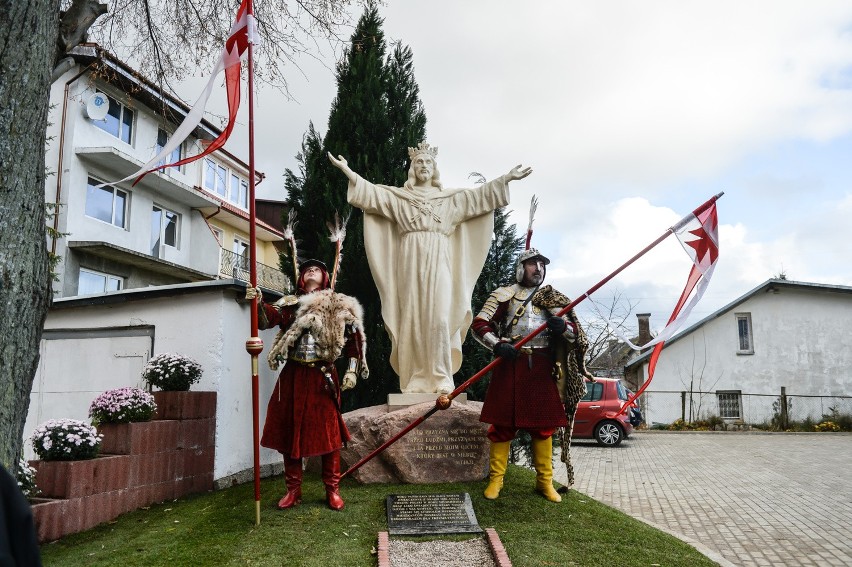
535, 388
303, 419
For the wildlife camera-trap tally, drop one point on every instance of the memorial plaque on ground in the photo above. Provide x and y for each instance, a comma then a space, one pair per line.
414, 514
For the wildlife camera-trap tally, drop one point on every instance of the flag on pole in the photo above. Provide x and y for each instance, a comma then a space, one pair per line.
698, 233
699, 236
242, 32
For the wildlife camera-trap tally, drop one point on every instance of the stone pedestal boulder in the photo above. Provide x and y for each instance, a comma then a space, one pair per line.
450, 446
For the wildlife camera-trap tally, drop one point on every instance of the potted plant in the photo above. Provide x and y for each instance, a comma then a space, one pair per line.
120, 415
66, 440
66, 449
172, 372
122, 405
26, 477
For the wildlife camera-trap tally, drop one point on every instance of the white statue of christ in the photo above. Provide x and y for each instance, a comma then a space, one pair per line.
426, 246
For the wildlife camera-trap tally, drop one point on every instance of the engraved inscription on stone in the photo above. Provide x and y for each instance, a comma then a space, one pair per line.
461, 446
431, 514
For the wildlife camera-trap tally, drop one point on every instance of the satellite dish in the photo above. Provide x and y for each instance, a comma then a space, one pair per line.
97, 106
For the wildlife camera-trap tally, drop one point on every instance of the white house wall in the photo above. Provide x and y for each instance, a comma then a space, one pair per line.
210, 326
197, 248
802, 340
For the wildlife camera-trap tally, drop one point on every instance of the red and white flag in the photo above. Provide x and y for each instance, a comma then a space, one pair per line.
243, 32
699, 236
698, 233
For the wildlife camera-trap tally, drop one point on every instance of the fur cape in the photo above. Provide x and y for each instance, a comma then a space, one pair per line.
554, 300
325, 315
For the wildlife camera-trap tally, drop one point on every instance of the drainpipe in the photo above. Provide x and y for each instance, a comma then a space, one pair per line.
62, 153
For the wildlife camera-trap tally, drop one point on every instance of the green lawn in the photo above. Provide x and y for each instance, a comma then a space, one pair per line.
218, 529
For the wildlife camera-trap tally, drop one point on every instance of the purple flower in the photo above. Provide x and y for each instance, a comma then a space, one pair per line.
122, 405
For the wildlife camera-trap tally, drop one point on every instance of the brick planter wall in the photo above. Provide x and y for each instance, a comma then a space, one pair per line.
140, 464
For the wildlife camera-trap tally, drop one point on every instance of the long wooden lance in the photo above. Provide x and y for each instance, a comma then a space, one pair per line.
254, 345
444, 401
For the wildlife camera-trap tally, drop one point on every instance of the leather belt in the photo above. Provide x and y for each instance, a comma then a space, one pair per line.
532, 350
312, 363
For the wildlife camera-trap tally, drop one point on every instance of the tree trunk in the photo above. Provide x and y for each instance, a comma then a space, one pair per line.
27, 47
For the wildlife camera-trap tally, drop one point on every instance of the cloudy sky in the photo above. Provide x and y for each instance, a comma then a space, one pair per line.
631, 115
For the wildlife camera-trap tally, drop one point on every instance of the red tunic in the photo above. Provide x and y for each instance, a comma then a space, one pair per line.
301, 418
520, 396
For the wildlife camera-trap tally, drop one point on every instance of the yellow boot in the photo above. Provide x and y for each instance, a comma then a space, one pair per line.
499, 457
542, 450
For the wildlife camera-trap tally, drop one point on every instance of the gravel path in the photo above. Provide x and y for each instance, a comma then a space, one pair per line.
468, 553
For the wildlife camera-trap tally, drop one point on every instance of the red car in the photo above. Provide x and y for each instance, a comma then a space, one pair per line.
596, 413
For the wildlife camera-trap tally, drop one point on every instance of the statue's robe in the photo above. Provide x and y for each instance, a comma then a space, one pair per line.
426, 249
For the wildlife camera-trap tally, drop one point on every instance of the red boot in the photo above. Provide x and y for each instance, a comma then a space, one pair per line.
293, 478
331, 479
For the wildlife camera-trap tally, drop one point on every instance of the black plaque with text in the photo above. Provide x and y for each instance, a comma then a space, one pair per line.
414, 514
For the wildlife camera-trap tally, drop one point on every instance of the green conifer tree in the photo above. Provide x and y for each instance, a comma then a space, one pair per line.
375, 116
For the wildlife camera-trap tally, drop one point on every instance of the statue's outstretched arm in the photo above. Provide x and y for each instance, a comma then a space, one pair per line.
340, 163
517, 172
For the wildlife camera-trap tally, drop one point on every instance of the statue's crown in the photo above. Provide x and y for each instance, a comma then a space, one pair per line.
423, 148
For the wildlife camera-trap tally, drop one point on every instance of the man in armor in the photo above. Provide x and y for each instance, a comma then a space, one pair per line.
303, 416
528, 389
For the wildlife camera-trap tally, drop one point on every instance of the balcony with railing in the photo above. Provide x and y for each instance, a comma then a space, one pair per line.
236, 266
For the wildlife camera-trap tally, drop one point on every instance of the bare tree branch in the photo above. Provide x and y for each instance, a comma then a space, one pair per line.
168, 40
74, 24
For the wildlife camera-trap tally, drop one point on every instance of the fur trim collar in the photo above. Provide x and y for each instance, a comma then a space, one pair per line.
325, 315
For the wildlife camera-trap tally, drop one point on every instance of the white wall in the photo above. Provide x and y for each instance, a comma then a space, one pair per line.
197, 248
207, 324
802, 340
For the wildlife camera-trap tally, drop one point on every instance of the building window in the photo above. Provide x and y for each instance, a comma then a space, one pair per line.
219, 234
118, 121
239, 191
165, 228
224, 182
106, 203
241, 250
215, 177
745, 344
730, 404
91, 282
175, 156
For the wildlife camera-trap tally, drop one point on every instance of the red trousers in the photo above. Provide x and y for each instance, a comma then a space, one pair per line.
499, 434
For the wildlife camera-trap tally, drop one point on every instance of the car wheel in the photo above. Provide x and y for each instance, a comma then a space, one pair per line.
609, 434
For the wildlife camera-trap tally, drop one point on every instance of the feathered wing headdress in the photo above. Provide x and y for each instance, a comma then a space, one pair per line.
290, 237
533, 207
337, 233
529, 251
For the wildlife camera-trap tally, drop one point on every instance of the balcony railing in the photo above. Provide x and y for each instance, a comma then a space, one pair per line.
236, 266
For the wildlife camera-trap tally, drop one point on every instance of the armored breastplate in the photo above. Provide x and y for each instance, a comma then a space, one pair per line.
305, 349
522, 319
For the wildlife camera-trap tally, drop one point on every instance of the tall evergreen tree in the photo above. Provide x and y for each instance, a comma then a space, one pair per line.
375, 116
404, 111
302, 199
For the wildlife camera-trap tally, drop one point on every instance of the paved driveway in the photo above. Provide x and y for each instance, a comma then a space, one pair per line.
741, 498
